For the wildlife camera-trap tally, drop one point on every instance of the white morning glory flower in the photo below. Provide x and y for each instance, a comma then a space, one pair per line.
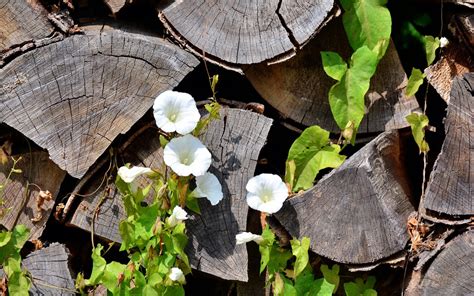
266, 193
177, 216
186, 155
176, 111
245, 237
176, 275
129, 175
208, 186
443, 42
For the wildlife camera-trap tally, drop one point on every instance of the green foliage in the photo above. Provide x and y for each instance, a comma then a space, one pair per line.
310, 153
367, 23
418, 122
346, 97
333, 64
213, 108
414, 82
300, 251
11, 243
359, 287
431, 45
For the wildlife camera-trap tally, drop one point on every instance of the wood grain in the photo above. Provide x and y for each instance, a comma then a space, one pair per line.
37, 169
357, 214
235, 142
245, 32
299, 87
22, 21
77, 95
450, 189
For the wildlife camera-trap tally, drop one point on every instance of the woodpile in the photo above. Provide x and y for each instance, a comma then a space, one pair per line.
75, 104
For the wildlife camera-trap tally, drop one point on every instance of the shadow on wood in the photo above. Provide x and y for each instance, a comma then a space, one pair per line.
235, 142
299, 87
356, 214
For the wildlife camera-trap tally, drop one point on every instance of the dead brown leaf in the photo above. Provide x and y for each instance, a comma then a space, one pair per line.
40, 200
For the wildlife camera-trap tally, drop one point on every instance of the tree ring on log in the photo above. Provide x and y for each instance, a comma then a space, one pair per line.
356, 214
450, 189
79, 94
450, 273
235, 142
298, 88
236, 33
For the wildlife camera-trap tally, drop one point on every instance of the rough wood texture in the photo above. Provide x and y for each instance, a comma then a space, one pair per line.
50, 271
450, 189
456, 59
299, 87
77, 95
451, 271
22, 21
245, 32
235, 142
115, 5
357, 214
37, 169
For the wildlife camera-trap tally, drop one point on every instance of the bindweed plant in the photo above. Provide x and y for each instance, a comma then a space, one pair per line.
290, 272
154, 232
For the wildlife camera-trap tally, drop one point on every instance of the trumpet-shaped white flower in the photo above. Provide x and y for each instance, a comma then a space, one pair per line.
177, 216
266, 193
129, 175
186, 155
176, 111
176, 275
208, 186
245, 237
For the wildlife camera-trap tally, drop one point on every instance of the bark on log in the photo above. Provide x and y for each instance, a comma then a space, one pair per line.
22, 21
451, 271
235, 142
457, 58
50, 271
245, 32
450, 189
357, 214
37, 169
77, 95
299, 87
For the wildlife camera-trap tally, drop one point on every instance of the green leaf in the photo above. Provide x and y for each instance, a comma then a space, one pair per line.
98, 266
192, 203
333, 64
265, 247
312, 152
414, 82
346, 97
290, 169
367, 22
20, 235
112, 273
431, 45
327, 157
5, 237
331, 275
418, 122
359, 287
18, 284
321, 287
288, 288
300, 251
215, 79
304, 281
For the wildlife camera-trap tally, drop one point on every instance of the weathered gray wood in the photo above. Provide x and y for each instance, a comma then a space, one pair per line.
22, 21
450, 189
37, 169
235, 142
50, 271
357, 214
245, 32
299, 87
115, 5
77, 95
456, 59
451, 271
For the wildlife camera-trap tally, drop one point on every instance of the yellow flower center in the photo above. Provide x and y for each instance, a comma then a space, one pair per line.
173, 117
